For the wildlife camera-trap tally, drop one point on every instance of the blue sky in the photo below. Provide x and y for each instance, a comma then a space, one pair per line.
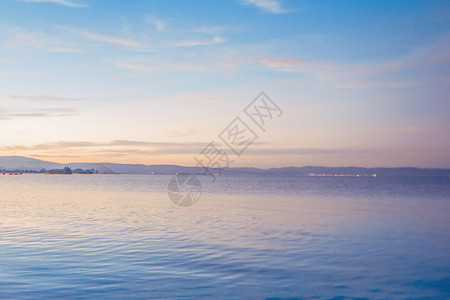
361, 82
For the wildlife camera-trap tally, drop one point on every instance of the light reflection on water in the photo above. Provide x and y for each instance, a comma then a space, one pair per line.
118, 236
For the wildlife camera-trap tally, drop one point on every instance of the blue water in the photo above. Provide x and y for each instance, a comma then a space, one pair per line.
119, 236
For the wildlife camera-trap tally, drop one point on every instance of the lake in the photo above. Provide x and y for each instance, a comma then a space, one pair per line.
119, 236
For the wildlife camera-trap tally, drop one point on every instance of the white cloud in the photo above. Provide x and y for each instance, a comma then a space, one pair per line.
38, 113
39, 98
127, 42
160, 25
60, 2
272, 6
133, 67
294, 65
41, 41
114, 40
66, 50
193, 43
427, 61
375, 84
150, 67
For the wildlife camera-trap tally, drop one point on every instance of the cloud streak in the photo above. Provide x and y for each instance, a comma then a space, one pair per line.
159, 25
40, 41
125, 42
431, 59
116, 146
272, 6
40, 98
375, 84
43, 113
145, 147
160, 66
193, 43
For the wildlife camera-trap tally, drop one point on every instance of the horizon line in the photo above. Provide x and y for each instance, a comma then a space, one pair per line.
241, 167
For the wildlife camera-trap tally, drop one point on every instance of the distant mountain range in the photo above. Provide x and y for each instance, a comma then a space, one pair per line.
24, 163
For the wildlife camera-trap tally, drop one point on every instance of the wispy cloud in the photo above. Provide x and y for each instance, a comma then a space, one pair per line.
203, 98
159, 24
432, 59
125, 42
41, 41
375, 84
132, 67
130, 147
436, 53
295, 64
179, 134
195, 97
116, 146
38, 113
66, 50
60, 2
39, 98
193, 43
285, 64
312, 151
138, 43
159, 66
212, 62
272, 6
275, 63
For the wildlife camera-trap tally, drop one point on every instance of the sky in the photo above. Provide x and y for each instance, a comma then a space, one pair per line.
357, 83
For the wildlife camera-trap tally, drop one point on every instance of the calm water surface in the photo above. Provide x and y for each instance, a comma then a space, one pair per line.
118, 236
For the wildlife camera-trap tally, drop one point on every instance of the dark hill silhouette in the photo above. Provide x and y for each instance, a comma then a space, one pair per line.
25, 163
